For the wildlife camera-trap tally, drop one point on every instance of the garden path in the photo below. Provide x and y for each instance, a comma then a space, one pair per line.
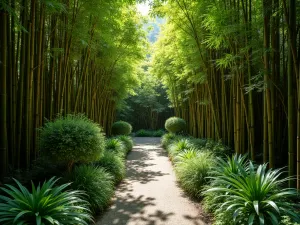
149, 194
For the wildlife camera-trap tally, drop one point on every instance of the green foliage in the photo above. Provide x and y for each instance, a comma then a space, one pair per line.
73, 138
148, 107
223, 218
192, 172
178, 146
198, 142
217, 147
285, 220
238, 165
121, 128
253, 195
96, 182
149, 133
116, 146
186, 155
144, 133
158, 133
113, 164
168, 139
175, 125
127, 142
47, 204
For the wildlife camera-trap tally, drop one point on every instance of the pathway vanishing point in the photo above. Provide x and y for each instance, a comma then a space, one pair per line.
149, 195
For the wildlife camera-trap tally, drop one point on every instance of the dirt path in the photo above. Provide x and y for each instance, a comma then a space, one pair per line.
149, 195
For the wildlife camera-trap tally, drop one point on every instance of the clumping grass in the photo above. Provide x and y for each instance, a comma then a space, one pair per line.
127, 142
178, 146
251, 194
186, 155
45, 204
96, 182
169, 138
192, 172
116, 146
113, 164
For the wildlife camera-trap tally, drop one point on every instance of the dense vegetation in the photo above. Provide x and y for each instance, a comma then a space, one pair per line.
148, 107
232, 72
63, 56
88, 175
233, 189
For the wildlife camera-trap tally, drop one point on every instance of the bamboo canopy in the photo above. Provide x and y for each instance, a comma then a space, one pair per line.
61, 57
232, 72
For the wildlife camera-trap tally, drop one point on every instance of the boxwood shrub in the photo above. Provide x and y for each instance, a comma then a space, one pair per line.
70, 139
121, 128
175, 124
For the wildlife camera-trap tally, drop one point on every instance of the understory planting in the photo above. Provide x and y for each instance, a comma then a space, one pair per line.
232, 188
62, 57
74, 149
149, 133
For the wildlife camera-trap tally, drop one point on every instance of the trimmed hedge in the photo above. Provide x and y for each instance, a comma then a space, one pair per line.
70, 139
175, 124
121, 128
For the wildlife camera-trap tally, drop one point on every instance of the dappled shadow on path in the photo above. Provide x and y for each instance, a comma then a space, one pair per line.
197, 220
145, 197
131, 208
141, 165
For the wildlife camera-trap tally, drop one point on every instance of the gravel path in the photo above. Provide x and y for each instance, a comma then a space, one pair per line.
149, 194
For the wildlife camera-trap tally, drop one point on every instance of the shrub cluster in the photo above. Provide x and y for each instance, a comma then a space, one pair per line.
149, 133
175, 124
246, 193
77, 151
121, 128
235, 190
98, 179
192, 161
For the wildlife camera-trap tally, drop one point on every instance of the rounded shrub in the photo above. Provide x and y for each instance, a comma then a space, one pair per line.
127, 142
192, 172
95, 182
175, 124
113, 164
121, 128
158, 133
70, 139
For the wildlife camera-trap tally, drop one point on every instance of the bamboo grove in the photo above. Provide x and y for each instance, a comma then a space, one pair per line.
232, 71
60, 57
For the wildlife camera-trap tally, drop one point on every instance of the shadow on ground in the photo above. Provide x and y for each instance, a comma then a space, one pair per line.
140, 166
131, 208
